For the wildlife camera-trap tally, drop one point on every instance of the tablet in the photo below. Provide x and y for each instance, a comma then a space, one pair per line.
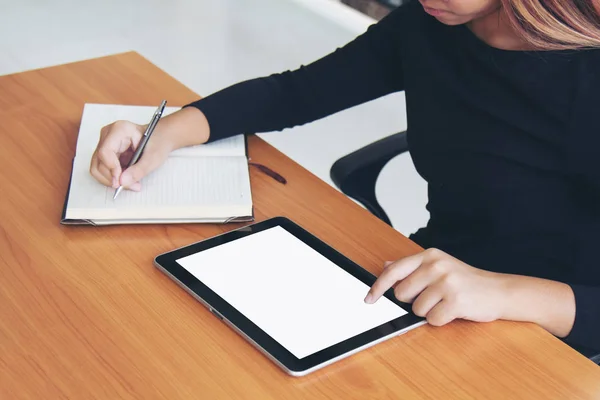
296, 299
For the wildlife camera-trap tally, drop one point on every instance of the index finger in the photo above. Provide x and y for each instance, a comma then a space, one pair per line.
392, 274
108, 154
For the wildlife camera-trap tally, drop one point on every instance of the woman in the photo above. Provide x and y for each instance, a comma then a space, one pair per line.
501, 101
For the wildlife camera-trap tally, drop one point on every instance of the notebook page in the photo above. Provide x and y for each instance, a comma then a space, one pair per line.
172, 191
232, 146
183, 187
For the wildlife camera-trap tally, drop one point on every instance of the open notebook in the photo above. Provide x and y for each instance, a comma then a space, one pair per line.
205, 183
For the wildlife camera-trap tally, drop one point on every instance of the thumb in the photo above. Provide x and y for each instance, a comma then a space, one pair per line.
135, 173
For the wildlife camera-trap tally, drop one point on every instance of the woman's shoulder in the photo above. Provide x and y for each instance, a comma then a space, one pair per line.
592, 58
588, 66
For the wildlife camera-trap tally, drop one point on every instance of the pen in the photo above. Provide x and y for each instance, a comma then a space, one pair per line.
144, 140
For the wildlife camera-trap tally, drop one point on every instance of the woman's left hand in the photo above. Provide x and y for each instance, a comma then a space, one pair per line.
443, 288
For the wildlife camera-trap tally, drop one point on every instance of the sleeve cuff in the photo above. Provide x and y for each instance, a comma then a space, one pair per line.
586, 329
213, 111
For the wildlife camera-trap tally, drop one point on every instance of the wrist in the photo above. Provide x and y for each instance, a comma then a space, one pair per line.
183, 128
515, 299
547, 303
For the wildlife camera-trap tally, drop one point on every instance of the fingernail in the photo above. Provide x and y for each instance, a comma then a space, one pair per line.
115, 183
387, 264
369, 299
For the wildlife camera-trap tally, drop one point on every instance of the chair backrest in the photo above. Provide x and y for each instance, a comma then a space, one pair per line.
356, 174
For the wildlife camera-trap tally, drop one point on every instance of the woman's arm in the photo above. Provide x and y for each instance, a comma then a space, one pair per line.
568, 311
442, 288
549, 304
364, 69
586, 328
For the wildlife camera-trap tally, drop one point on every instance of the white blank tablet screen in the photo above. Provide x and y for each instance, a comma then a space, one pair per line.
297, 296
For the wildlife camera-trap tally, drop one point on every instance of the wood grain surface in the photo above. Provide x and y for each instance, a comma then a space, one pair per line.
84, 314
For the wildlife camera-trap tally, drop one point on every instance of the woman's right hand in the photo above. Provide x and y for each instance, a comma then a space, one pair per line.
118, 141
115, 148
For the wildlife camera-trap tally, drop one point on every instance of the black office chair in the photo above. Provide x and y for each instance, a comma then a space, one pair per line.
356, 176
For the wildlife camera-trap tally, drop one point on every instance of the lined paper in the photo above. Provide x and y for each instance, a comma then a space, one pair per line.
232, 146
209, 181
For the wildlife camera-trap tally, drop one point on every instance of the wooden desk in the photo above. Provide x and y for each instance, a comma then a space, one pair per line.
84, 314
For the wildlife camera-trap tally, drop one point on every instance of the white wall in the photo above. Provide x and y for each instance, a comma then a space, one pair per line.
209, 44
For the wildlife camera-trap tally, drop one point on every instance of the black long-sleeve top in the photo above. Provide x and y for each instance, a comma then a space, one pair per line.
508, 142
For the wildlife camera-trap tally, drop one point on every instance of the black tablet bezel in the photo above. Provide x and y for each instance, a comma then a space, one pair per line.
167, 261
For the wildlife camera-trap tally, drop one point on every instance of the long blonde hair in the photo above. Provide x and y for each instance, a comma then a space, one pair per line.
556, 24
